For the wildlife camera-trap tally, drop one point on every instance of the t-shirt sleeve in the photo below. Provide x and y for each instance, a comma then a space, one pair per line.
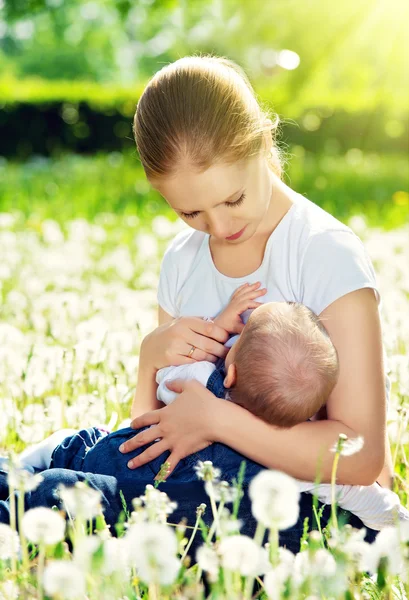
335, 263
166, 295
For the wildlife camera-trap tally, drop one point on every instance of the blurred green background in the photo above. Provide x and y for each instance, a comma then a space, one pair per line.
71, 73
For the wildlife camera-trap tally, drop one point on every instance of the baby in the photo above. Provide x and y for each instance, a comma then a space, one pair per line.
282, 367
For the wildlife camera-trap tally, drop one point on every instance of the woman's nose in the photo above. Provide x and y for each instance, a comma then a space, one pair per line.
217, 228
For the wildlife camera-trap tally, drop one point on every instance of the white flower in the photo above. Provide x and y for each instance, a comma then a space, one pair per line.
276, 576
115, 557
348, 447
274, 583
275, 499
240, 553
317, 564
228, 524
81, 500
205, 470
152, 550
208, 560
64, 579
158, 505
43, 525
84, 550
221, 491
21, 479
388, 545
9, 590
7, 538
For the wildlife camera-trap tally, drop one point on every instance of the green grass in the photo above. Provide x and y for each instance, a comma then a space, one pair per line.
83, 186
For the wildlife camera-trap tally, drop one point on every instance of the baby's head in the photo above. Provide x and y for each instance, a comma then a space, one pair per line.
284, 365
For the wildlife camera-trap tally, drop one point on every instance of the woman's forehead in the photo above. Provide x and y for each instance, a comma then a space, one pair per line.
190, 190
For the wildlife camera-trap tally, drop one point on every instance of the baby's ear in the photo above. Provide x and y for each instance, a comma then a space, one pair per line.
231, 376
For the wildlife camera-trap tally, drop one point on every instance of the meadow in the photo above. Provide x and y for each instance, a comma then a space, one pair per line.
81, 241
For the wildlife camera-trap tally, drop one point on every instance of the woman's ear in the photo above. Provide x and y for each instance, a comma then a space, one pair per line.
231, 376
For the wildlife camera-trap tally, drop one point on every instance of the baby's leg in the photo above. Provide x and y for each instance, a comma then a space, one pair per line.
105, 458
377, 507
39, 455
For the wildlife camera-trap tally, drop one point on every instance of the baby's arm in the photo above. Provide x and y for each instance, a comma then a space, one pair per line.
200, 371
242, 299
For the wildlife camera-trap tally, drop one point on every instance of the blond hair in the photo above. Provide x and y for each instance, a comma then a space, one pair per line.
286, 365
198, 111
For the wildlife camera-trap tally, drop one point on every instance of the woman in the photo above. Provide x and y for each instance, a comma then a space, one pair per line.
206, 146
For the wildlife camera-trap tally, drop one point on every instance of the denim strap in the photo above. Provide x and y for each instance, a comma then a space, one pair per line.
215, 383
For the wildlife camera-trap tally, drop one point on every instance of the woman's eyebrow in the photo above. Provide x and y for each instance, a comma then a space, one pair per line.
227, 199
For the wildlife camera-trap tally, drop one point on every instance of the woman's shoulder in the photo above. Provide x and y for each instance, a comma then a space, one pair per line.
332, 259
312, 220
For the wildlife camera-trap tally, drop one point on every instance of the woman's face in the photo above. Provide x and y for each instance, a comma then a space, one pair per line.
224, 201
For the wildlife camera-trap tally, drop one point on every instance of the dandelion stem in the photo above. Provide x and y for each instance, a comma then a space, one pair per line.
341, 439
213, 526
23, 541
396, 449
273, 540
318, 521
258, 538
40, 571
198, 517
13, 525
214, 509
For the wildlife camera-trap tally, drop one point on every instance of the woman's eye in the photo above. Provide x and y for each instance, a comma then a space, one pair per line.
189, 215
231, 204
238, 202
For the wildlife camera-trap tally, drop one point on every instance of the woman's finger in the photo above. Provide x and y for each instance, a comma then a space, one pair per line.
206, 345
140, 439
200, 355
149, 418
150, 454
173, 460
208, 329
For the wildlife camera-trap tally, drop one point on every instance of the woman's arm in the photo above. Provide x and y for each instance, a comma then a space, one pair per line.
145, 394
355, 407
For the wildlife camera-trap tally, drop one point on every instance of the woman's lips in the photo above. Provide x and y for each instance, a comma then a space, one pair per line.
235, 236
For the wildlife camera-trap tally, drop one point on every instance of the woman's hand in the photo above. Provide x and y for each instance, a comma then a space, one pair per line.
185, 426
171, 343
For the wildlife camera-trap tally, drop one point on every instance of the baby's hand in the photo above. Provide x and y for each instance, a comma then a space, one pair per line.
242, 299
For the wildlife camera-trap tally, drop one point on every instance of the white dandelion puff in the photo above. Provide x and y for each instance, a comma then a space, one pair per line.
275, 499
81, 500
346, 446
221, 490
209, 561
320, 564
43, 525
240, 553
206, 471
64, 579
8, 540
152, 551
21, 479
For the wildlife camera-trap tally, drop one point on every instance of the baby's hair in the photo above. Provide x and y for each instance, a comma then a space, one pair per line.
198, 111
286, 365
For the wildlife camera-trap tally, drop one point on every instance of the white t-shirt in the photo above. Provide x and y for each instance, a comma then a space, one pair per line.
310, 257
